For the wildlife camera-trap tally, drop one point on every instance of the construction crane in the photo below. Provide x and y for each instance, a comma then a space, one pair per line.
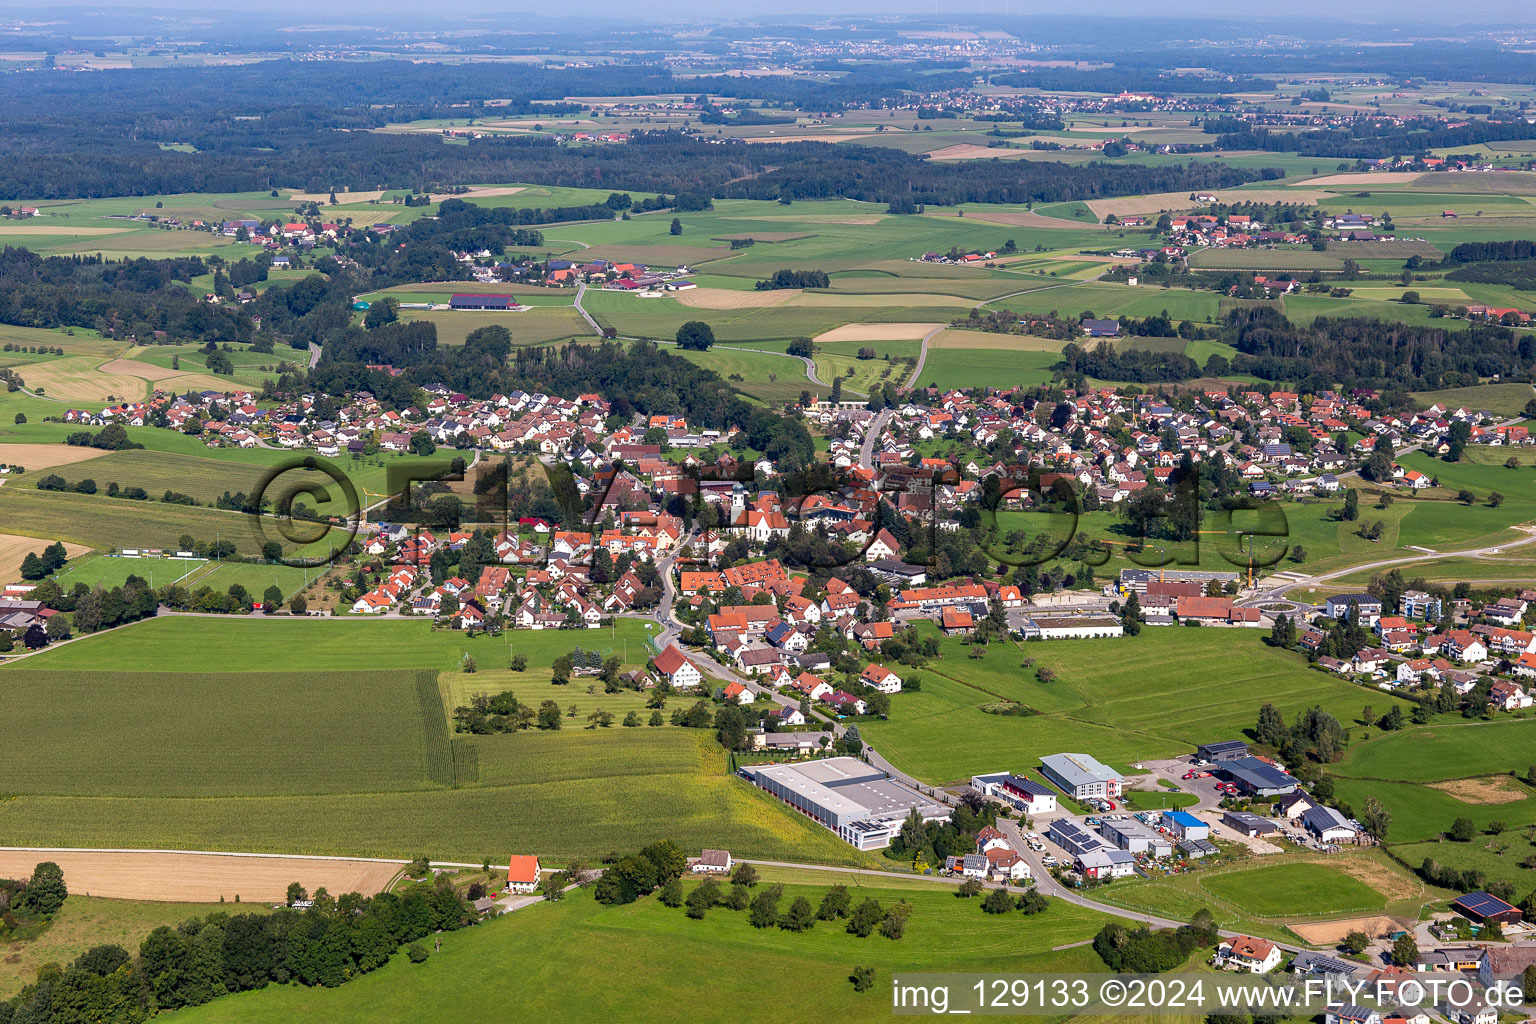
362, 512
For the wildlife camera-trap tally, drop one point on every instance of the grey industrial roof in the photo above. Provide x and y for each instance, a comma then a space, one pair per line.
1257, 774
1078, 769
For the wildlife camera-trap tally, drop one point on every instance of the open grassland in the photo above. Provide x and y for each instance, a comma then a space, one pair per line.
1281, 890
585, 962
1270, 896
1500, 399
84, 922
184, 644
986, 367
1152, 695
96, 521
1443, 751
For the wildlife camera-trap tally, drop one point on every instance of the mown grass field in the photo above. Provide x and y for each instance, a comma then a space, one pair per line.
581, 961
1294, 889
1261, 895
1154, 695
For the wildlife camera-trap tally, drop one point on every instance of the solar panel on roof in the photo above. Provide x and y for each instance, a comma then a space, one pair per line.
1483, 904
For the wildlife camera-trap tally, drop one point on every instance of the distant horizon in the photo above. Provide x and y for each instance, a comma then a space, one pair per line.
1407, 15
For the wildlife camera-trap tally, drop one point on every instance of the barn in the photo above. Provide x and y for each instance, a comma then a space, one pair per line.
1484, 907
482, 302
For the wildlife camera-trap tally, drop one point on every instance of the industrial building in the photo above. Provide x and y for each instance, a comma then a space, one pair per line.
1080, 776
1225, 750
1132, 836
1257, 777
846, 795
1185, 825
1071, 627
1074, 838
1246, 824
1137, 579
1027, 795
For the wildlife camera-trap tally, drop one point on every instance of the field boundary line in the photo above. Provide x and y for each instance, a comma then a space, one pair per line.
232, 853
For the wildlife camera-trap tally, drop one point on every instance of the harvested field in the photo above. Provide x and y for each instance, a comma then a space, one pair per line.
135, 368
1492, 789
728, 298
1332, 932
198, 877
971, 151
1025, 219
1394, 885
876, 332
26, 228
1159, 202
894, 300
1364, 178
33, 457
13, 549
1509, 182
80, 379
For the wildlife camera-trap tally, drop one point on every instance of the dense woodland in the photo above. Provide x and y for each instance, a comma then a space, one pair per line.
1369, 138
1375, 353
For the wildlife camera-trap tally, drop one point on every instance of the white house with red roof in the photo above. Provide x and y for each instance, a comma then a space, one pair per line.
678, 670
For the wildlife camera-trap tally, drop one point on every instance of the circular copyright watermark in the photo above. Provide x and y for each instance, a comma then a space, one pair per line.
275, 499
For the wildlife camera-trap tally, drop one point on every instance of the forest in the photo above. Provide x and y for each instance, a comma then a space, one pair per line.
1369, 138
1374, 353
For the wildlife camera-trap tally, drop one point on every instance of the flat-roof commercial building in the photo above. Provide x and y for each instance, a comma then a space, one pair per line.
1137, 579
1185, 825
1074, 838
1080, 776
1132, 836
846, 796
1225, 750
1257, 777
1072, 627
1244, 823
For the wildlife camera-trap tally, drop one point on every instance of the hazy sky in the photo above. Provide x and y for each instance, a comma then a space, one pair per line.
1404, 13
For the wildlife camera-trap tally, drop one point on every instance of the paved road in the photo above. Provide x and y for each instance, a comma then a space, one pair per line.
314, 355
872, 435
922, 357
1048, 886
1278, 592
581, 291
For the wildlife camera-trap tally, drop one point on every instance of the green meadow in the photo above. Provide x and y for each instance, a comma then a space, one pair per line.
1154, 695
581, 961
